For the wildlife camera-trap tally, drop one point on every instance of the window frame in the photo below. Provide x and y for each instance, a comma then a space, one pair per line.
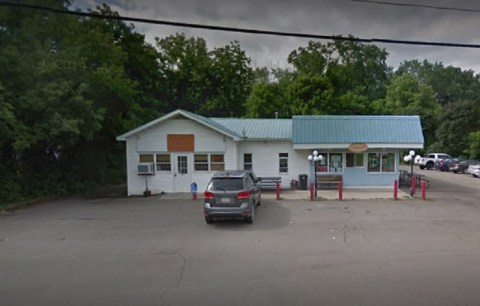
283, 159
355, 160
213, 164
323, 166
150, 160
330, 162
247, 165
382, 156
201, 162
158, 163
385, 157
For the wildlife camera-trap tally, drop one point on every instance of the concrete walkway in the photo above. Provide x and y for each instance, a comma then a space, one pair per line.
348, 194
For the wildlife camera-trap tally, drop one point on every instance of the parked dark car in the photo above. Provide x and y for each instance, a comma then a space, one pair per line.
462, 166
443, 165
232, 195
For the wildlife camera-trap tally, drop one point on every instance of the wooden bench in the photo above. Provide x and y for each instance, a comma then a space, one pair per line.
270, 182
329, 180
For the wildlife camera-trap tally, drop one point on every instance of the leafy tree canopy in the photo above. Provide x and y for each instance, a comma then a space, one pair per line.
70, 84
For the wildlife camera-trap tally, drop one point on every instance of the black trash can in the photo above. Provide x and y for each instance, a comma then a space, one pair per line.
303, 181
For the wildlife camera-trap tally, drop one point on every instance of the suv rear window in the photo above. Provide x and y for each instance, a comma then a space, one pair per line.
226, 184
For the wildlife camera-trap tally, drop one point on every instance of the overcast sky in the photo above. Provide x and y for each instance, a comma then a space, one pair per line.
322, 17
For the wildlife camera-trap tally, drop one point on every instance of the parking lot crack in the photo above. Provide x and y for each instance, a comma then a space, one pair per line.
184, 263
345, 230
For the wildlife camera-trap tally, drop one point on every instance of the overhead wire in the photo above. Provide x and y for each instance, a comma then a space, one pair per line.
239, 30
435, 7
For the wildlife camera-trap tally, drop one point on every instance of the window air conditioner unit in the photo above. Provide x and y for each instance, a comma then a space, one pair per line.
146, 169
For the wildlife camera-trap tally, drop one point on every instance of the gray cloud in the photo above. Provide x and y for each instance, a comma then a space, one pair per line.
328, 17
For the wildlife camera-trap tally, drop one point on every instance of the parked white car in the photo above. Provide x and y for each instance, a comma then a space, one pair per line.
474, 170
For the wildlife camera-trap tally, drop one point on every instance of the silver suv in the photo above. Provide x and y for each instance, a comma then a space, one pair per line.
232, 195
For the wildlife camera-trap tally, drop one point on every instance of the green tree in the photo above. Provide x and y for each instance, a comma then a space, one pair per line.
268, 97
450, 84
185, 79
351, 103
457, 92
357, 73
360, 69
261, 75
265, 100
407, 96
310, 96
69, 86
347, 76
313, 59
232, 79
473, 151
213, 83
457, 121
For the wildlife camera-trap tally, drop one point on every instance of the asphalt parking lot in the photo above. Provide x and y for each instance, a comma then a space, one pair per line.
152, 251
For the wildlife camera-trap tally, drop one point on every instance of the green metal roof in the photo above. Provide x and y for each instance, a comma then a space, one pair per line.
212, 123
305, 130
352, 129
258, 128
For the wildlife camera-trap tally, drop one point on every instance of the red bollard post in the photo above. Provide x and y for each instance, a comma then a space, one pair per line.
424, 190
278, 190
414, 184
340, 191
311, 192
395, 190
194, 195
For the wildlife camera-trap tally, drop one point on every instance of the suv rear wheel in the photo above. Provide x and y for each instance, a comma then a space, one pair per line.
251, 219
208, 220
429, 166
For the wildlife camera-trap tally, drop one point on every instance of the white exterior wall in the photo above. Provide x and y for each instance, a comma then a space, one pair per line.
154, 140
265, 158
133, 181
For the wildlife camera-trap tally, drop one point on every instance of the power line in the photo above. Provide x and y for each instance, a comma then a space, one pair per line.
241, 30
417, 5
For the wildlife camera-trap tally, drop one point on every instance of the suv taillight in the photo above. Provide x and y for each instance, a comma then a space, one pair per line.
244, 195
208, 195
